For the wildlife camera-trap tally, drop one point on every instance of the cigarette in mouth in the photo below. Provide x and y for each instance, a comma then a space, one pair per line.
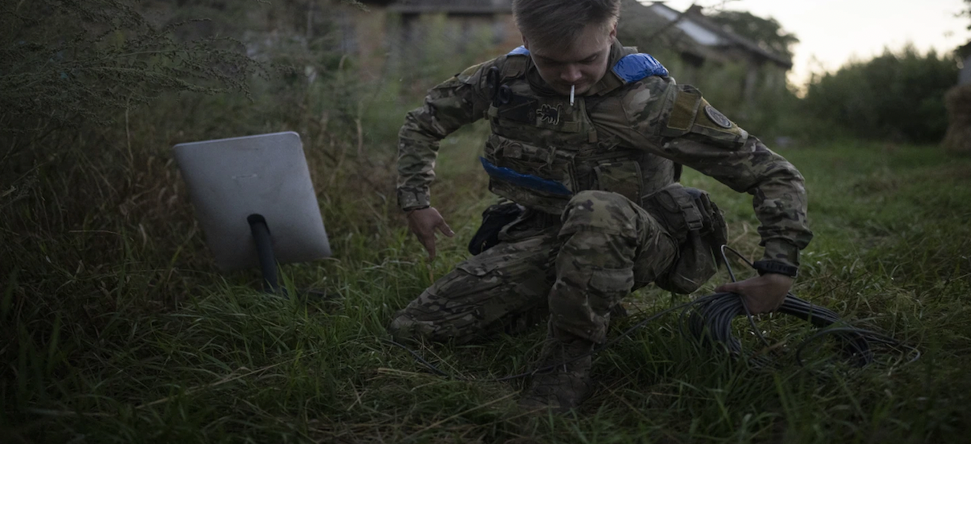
572, 88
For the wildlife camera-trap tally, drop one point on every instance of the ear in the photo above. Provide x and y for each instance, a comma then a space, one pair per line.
613, 31
525, 42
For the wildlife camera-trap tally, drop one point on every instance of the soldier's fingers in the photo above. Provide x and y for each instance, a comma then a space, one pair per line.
727, 287
427, 239
445, 229
753, 306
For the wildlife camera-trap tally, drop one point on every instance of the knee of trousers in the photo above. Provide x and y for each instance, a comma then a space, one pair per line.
580, 301
602, 211
594, 272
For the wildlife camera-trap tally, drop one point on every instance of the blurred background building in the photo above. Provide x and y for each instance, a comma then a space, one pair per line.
404, 33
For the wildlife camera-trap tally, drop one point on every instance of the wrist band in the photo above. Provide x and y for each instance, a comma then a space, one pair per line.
771, 266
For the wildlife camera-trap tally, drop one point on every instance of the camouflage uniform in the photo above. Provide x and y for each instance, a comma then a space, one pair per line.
585, 174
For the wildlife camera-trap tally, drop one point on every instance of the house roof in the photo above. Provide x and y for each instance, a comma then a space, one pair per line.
452, 6
705, 32
696, 32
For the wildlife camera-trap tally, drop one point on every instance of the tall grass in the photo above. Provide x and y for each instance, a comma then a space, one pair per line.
116, 327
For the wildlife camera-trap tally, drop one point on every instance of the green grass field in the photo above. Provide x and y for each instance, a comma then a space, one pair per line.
116, 326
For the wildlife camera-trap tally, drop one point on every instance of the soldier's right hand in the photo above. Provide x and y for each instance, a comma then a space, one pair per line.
424, 223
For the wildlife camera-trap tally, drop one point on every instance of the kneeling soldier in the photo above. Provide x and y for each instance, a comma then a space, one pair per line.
588, 138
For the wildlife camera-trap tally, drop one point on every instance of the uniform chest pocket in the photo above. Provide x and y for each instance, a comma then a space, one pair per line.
622, 177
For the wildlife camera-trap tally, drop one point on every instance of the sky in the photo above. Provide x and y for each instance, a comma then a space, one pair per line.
832, 32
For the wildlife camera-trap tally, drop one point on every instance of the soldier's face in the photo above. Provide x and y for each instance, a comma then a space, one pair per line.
581, 64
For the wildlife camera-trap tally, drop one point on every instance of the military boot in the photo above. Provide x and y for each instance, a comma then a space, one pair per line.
565, 385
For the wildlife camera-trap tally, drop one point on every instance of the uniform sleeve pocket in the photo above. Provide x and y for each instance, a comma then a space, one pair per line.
692, 114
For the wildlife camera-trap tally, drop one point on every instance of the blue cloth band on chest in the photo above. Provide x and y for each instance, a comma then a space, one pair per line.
532, 182
638, 66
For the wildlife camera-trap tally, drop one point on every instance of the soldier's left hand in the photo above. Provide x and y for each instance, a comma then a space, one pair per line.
762, 293
423, 223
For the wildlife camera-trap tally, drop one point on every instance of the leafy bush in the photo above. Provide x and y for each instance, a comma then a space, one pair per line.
896, 96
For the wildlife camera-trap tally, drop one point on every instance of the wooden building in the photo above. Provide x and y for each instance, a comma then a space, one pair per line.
699, 41
404, 31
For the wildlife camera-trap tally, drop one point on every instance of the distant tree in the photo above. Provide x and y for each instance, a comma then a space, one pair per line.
766, 32
896, 96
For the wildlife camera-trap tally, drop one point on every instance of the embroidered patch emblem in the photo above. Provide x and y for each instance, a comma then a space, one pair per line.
549, 114
717, 117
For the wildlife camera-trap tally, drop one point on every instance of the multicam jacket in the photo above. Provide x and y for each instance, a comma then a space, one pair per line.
624, 135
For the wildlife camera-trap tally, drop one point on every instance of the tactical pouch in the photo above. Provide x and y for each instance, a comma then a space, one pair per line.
689, 215
494, 218
547, 174
623, 177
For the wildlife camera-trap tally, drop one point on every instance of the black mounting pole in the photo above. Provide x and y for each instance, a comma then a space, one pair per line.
264, 250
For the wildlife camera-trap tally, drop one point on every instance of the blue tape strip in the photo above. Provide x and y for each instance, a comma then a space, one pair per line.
637, 66
523, 180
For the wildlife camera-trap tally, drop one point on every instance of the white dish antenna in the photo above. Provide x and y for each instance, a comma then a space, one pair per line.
254, 198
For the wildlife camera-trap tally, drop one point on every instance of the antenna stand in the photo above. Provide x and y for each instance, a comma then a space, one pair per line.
264, 250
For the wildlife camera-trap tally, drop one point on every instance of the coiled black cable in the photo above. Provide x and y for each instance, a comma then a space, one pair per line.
710, 318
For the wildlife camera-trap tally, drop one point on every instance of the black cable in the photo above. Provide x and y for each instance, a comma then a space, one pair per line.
712, 319
709, 318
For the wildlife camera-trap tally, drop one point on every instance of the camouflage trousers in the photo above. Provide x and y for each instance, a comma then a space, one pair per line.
580, 265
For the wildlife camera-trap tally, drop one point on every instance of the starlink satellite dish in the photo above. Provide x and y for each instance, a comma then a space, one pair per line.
254, 200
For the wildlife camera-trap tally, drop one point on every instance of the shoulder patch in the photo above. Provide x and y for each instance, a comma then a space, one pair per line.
637, 66
717, 117
519, 51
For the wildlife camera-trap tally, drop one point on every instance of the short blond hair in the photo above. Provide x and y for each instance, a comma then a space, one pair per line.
548, 23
